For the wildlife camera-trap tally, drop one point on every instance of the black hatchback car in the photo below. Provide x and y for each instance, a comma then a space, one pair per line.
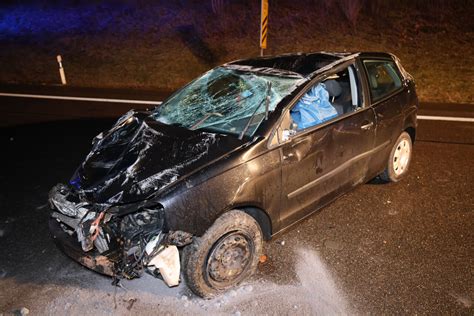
237, 155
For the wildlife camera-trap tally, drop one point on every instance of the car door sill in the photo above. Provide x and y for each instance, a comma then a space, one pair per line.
336, 170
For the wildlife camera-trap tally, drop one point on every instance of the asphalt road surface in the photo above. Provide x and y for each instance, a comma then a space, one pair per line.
398, 248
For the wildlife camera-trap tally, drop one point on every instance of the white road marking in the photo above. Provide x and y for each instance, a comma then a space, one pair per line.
57, 97
445, 118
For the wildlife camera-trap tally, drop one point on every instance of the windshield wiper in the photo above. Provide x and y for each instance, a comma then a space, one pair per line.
208, 115
267, 105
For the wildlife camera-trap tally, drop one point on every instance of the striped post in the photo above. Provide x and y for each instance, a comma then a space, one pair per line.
263, 26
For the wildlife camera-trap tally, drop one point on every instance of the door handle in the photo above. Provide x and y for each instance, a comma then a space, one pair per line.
367, 126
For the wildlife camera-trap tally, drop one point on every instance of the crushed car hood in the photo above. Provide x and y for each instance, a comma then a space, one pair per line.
139, 156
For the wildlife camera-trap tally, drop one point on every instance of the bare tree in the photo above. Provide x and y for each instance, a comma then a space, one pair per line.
218, 6
351, 9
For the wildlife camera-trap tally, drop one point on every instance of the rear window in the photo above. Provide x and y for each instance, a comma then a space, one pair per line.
383, 78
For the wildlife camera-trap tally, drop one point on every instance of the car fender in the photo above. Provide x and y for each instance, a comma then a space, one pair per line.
255, 183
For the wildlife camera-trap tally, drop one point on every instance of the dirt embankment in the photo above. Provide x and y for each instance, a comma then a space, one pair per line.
158, 44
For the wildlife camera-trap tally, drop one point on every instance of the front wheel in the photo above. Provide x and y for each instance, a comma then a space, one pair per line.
399, 160
224, 256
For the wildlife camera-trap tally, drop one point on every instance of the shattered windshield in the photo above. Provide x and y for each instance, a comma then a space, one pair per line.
226, 100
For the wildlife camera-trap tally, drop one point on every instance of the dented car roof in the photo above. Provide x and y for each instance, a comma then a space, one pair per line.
303, 65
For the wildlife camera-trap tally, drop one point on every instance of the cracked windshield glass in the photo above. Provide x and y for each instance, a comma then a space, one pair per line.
226, 101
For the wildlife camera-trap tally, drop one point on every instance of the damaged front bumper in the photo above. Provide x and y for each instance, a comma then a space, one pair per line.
118, 246
70, 246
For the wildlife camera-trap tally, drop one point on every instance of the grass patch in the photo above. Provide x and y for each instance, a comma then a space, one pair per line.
164, 44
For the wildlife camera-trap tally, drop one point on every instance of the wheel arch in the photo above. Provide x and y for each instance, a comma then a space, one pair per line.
261, 217
410, 123
412, 132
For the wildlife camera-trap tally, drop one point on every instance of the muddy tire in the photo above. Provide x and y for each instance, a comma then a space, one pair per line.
224, 256
399, 160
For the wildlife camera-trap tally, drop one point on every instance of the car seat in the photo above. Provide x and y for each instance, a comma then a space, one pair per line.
340, 95
334, 89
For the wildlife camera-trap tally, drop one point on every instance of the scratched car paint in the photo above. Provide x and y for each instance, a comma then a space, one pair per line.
237, 155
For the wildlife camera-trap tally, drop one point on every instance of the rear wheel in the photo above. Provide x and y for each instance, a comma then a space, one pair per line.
224, 256
399, 160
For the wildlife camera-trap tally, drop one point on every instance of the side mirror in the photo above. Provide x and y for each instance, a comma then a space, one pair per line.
287, 133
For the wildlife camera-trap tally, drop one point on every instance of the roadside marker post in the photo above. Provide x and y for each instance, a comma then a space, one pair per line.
62, 74
263, 26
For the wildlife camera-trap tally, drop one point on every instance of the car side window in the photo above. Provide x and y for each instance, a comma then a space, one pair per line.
335, 96
383, 78
313, 108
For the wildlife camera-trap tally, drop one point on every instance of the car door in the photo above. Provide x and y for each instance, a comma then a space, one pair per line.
325, 160
387, 95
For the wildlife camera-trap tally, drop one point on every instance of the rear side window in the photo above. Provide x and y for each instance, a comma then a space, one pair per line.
383, 78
